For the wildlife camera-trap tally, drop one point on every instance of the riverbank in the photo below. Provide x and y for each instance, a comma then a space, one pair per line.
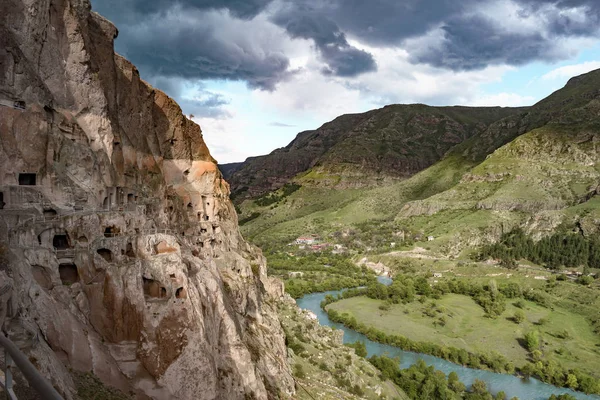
530, 389
457, 321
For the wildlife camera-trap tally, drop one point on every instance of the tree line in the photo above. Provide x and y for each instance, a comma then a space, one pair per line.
562, 249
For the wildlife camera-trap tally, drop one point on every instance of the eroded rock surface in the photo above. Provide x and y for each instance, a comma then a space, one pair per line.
121, 245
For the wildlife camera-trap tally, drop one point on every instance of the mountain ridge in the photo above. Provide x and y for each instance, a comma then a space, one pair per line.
378, 143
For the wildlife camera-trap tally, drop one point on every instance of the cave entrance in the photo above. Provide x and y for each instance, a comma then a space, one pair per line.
105, 203
181, 293
27, 179
106, 254
49, 213
129, 250
68, 273
130, 198
61, 242
153, 289
110, 231
2, 200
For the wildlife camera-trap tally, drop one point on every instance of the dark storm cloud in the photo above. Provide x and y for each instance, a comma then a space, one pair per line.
475, 41
341, 58
114, 9
188, 47
182, 39
461, 51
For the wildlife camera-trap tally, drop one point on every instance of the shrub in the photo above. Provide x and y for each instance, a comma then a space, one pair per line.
519, 316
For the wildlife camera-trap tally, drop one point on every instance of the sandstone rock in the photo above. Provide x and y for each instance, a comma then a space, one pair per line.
125, 254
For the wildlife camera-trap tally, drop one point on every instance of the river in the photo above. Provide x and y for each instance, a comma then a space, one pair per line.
524, 389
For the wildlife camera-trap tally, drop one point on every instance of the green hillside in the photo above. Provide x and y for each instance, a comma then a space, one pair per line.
545, 176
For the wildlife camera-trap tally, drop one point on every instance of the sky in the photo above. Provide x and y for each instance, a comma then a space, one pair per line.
254, 73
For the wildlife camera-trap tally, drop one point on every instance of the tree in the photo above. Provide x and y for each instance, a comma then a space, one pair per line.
572, 381
519, 316
479, 387
532, 340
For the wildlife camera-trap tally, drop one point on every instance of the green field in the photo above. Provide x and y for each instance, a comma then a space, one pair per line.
467, 328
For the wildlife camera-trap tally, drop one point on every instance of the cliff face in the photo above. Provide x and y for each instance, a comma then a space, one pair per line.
358, 150
122, 250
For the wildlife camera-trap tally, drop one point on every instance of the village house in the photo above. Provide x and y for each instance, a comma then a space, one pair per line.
306, 240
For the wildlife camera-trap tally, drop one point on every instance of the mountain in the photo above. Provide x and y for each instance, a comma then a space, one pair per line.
535, 168
368, 149
120, 250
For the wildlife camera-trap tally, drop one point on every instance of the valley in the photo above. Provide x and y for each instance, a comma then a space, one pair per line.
467, 288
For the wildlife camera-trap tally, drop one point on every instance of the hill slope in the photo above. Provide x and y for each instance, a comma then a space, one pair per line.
539, 160
360, 150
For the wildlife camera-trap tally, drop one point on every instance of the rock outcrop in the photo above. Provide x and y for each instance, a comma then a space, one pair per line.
122, 248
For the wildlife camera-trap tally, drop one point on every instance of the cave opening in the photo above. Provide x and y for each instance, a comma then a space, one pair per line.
50, 212
180, 293
106, 254
61, 242
27, 179
68, 273
110, 231
153, 289
129, 250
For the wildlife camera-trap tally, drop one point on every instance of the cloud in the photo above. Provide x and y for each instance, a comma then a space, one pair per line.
193, 97
340, 57
503, 99
254, 40
281, 125
505, 32
569, 71
209, 45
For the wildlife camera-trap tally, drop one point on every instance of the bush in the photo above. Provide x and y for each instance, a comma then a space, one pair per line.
585, 280
532, 340
519, 316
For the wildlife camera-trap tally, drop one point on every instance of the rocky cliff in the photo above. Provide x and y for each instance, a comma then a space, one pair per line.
122, 253
360, 150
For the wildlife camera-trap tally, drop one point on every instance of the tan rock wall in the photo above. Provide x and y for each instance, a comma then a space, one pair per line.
153, 290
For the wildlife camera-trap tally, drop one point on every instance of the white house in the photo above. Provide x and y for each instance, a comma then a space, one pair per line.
306, 240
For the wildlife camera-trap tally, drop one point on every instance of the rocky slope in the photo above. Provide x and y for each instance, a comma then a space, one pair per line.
360, 150
122, 254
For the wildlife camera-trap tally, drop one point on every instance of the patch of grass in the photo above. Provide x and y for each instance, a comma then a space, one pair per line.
89, 387
466, 327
